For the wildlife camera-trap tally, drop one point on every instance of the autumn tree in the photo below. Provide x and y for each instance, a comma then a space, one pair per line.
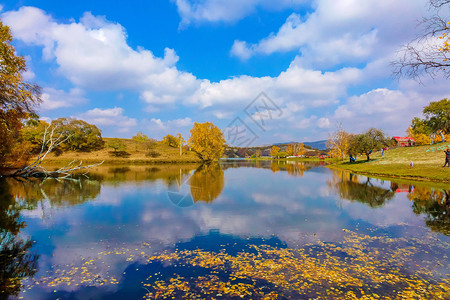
117, 145
295, 149
33, 132
170, 140
140, 137
17, 98
207, 140
258, 153
419, 138
274, 151
81, 136
368, 142
290, 150
430, 51
436, 121
339, 142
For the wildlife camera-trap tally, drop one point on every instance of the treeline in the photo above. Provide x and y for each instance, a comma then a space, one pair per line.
77, 135
433, 128
343, 144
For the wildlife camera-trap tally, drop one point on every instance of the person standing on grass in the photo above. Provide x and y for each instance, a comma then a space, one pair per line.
447, 158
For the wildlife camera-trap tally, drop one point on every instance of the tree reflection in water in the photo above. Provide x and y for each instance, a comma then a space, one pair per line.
65, 192
16, 260
354, 188
293, 168
435, 204
207, 182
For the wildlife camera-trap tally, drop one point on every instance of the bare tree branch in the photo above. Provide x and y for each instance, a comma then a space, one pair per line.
426, 54
50, 141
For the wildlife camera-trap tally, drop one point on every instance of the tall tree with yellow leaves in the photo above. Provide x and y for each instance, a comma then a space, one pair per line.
339, 142
17, 98
208, 141
274, 151
295, 149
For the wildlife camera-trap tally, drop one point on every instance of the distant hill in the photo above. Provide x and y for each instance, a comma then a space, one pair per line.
321, 145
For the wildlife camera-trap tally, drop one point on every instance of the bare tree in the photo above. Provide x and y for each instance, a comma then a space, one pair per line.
50, 141
429, 52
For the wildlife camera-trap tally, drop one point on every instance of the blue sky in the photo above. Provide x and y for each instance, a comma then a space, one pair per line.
157, 66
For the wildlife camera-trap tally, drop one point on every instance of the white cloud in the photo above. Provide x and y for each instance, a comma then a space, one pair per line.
297, 85
54, 98
227, 11
157, 128
109, 117
341, 31
93, 54
323, 123
177, 123
382, 108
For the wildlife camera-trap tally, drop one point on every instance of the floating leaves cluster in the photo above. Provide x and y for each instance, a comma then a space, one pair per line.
359, 267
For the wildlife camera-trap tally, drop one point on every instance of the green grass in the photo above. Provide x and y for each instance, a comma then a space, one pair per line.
136, 155
396, 163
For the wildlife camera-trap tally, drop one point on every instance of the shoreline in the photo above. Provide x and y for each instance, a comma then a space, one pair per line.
337, 166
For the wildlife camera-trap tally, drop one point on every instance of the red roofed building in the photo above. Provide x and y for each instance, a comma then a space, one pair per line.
404, 141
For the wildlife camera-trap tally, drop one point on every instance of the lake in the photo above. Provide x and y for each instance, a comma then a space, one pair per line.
239, 230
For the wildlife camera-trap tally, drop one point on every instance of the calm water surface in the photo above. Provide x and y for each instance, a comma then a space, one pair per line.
241, 229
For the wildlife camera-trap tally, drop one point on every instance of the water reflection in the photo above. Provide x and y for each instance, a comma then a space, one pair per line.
294, 168
435, 204
352, 187
17, 261
120, 225
207, 182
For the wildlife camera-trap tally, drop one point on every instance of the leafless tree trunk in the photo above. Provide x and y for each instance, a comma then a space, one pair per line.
50, 141
425, 54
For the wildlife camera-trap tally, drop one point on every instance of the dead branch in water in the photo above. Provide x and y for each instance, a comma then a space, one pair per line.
50, 141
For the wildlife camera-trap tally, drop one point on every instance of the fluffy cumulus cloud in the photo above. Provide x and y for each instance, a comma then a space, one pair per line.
305, 87
159, 128
93, 54
54, 98
341, 31
109, 117
227, 11
382, 108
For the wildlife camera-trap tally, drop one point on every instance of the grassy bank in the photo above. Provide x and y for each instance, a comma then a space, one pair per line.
427, 160
136, 153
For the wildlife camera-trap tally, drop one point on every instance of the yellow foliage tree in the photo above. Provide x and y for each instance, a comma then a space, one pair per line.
290, 150
17, 98
301, 150
339, 142
420, 138
295, 149
208, 141
275, 150
170, 140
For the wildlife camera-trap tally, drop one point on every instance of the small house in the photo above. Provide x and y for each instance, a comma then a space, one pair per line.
404, 141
